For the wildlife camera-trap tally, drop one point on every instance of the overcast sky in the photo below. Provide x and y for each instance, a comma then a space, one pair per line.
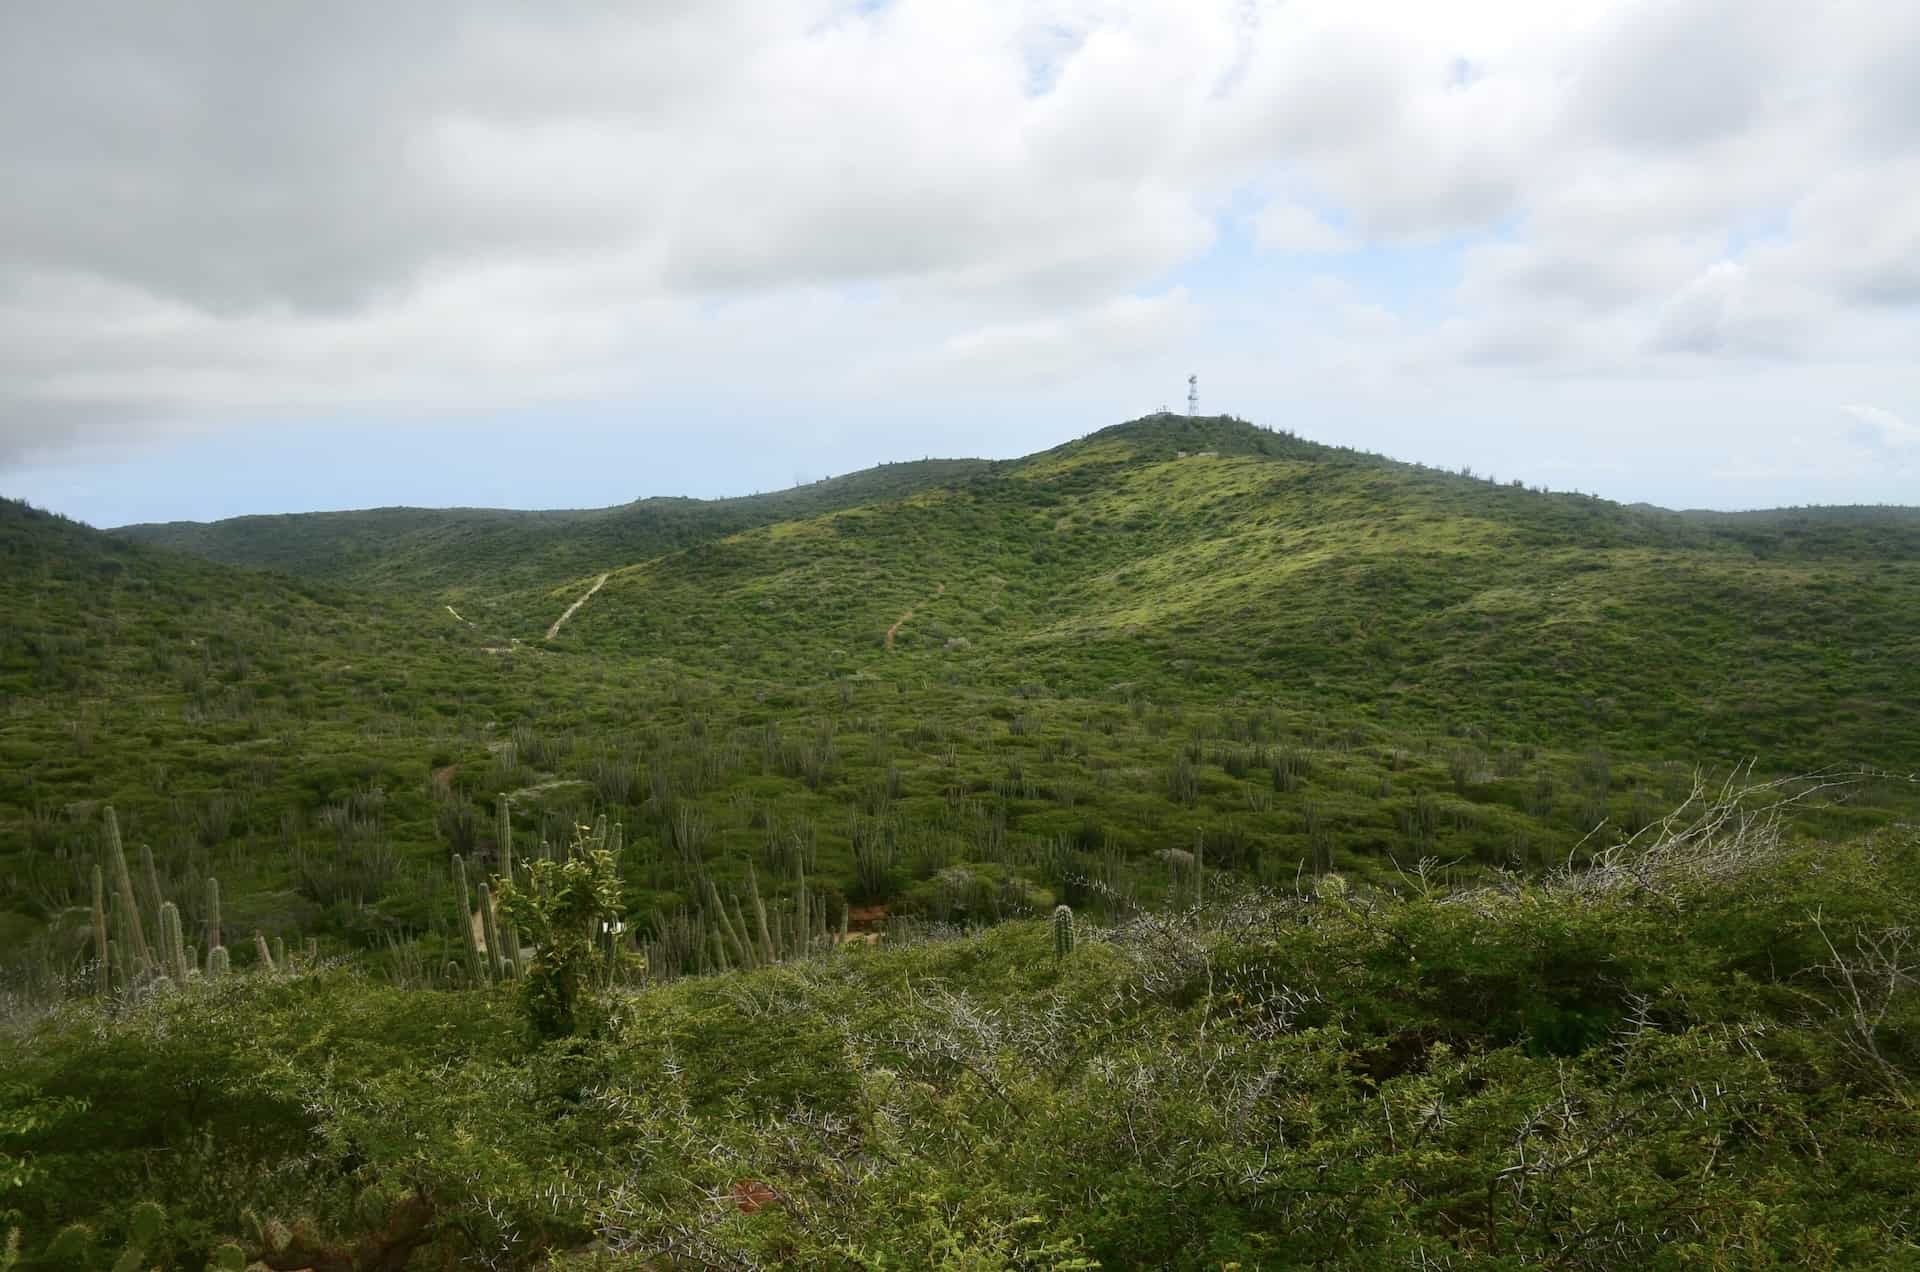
269, 255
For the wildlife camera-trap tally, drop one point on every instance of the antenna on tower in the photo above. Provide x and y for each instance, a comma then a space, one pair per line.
1193, 396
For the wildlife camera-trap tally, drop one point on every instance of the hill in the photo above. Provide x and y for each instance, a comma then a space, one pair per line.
1170, 630
452, 552
1385, 940
1193, 559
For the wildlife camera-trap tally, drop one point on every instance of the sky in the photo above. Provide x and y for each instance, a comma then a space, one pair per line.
267, 256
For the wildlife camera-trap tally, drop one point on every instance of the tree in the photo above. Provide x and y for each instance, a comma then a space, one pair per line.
562, 907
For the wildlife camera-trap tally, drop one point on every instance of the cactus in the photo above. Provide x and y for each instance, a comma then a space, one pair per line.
504, 832
280, 954
475, 975
1062, 931
219, 963
490, 924
737, 948
143, 1229
103, 963
10, 1250
509, 934
213, 912
151, 878
262, 952
71, 1247
173, 948
129, 916
746, 935
228, 1258
760, 916
800, 908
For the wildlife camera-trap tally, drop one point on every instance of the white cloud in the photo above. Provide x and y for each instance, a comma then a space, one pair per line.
1884, 426
1287, 227
233, 212
1040, 352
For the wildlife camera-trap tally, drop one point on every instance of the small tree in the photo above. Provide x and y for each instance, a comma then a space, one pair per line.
562, 907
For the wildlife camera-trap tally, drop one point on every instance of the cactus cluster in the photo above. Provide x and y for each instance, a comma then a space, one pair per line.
738, 932
74, 1247
1062, 931
141, 941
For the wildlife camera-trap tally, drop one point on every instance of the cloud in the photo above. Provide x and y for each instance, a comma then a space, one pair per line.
1884, 427
1287, 227
224, 214
1042, 352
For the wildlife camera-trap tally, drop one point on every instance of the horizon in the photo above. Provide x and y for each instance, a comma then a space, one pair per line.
803, 480
273, 261
807, 479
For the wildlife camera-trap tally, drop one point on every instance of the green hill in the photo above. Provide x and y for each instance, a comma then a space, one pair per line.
1254, 560
452, 552
1354, 774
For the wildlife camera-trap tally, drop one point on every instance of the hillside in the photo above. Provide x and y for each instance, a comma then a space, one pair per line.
1359, 779
1380, 590
452, 552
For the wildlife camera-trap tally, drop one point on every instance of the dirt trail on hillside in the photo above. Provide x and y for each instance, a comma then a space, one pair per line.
561, 621
940, 589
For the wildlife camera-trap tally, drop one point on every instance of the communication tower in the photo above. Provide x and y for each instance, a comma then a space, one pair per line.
1193, 396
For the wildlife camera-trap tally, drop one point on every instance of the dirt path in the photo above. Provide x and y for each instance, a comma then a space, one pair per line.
561, 621
940, 589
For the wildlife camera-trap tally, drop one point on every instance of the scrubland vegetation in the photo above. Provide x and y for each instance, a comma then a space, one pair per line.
1445, 885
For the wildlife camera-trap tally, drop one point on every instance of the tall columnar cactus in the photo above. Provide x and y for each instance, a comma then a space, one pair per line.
134, 935
800, 909
475, 974
490, 924
1062, 931
103, 963
735, 944
151, 878
213, 913
263, 952
760, 916
503, 831
219, 962
173, 944
509, 932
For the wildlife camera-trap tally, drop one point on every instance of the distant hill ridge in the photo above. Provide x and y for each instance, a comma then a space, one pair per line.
455, 550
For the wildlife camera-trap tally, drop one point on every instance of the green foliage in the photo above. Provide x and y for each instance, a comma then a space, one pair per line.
563, 907
1553, 1072
143, 1229
1172, 675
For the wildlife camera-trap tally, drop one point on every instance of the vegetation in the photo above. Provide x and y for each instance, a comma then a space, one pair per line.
1192, 846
